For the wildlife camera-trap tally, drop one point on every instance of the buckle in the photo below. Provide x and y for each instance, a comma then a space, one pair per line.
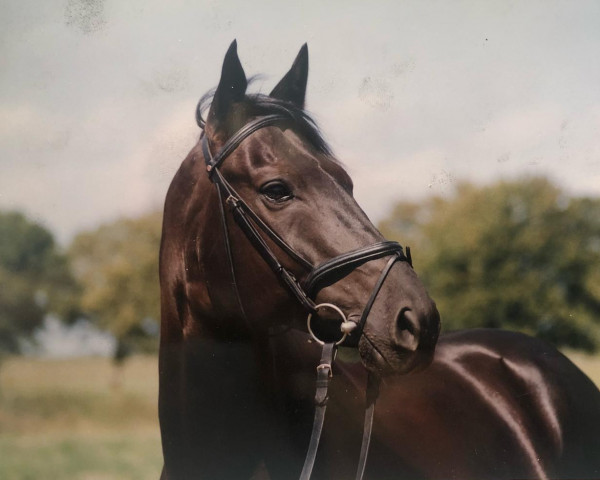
323, 366
232, 201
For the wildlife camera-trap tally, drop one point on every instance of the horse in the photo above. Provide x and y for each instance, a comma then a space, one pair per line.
269, 268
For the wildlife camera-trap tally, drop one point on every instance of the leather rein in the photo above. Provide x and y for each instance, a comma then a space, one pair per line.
319, 277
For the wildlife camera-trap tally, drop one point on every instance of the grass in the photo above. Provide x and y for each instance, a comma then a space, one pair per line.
68, 419
79, 456
78, 419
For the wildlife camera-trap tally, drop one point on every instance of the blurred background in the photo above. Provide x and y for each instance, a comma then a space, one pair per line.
470, 130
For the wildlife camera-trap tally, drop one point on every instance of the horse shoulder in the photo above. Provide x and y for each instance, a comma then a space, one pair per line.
491, 401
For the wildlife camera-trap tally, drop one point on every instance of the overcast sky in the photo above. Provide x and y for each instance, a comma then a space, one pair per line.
97, 97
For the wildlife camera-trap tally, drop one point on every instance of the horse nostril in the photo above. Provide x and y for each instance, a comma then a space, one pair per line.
406, 331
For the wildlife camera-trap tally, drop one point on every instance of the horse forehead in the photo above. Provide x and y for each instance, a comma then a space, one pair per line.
274, 144
271, 144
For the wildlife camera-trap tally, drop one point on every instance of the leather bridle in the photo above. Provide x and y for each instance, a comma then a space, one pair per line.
319, 277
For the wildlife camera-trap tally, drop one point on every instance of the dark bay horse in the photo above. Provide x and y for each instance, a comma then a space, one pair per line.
257, 204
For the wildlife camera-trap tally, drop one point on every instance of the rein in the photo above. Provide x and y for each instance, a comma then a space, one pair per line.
319, 277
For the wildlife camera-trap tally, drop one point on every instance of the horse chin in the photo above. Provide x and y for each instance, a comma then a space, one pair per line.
395, 362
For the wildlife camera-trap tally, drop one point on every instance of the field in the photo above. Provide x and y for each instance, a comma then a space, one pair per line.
79, 419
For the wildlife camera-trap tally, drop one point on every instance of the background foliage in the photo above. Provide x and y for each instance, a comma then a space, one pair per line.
35, 280
519, 255
117, 267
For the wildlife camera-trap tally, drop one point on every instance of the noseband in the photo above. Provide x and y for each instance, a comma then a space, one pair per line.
319, 277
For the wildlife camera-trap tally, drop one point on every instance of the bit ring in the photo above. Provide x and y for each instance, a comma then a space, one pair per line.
345, 326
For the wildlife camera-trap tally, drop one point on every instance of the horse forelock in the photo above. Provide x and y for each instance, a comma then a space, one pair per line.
257, 104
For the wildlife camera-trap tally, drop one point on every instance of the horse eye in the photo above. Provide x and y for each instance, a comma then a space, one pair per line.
276, 191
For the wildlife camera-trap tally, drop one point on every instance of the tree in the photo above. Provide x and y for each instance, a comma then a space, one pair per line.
35, 280
117, 266
519, 255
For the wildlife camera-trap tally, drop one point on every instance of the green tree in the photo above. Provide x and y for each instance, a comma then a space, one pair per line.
34, 277
117, 266
520, 255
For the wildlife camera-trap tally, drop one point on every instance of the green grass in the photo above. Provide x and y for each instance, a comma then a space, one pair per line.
95, 456
67, 419
79, 419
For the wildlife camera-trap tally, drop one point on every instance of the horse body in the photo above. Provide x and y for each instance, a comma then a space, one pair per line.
493, 404
237, 384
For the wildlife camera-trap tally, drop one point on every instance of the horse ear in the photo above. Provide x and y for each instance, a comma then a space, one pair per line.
232, 85
292, 87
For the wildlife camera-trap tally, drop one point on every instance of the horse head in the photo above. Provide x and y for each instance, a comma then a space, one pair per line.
298, 198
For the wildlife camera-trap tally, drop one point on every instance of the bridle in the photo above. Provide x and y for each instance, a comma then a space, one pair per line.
319, 277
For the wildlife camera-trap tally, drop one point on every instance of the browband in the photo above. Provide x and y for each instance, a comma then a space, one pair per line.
236, 139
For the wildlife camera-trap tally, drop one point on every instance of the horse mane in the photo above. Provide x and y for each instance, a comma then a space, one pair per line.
258, 104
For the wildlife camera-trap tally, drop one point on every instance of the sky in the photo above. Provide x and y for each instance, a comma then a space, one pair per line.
97, 97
